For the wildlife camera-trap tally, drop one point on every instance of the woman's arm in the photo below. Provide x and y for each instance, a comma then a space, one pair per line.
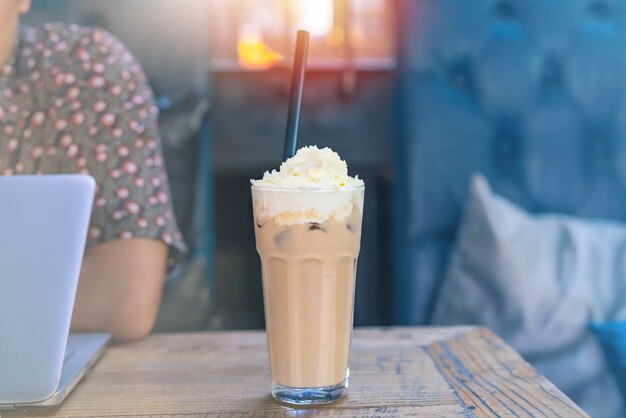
120, 288
107, 126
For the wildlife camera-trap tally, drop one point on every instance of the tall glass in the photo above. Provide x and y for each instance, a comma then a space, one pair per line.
309, 271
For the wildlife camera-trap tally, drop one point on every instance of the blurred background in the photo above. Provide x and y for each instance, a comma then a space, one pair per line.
416, 96
234, 59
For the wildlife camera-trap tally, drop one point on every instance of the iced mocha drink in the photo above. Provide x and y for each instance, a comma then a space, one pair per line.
308, 230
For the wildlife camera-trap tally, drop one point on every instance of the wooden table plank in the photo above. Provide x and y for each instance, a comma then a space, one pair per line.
494, 380
396, 372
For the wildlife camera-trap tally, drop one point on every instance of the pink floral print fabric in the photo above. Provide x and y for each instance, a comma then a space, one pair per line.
74, 100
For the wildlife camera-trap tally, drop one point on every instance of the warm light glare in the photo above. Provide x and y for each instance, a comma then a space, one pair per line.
254, 54
315, 16
335, 37
252, 34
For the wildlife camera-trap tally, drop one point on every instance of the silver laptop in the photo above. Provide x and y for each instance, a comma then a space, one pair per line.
43, 228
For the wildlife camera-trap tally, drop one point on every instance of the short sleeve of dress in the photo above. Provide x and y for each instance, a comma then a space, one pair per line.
120, 146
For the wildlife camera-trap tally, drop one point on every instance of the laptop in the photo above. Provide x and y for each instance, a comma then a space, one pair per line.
43, 229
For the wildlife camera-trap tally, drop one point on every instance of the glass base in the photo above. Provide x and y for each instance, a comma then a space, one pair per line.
309, 396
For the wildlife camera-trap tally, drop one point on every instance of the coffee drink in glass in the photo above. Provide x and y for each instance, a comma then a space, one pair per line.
308, 234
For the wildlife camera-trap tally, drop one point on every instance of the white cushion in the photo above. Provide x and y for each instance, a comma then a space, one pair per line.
538, 281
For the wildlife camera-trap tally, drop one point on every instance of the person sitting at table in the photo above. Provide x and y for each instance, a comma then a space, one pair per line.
74, 100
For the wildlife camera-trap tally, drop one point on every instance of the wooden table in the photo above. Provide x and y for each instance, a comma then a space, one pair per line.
396, 372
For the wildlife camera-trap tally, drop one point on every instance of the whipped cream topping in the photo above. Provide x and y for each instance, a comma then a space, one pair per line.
312, 186
310, 168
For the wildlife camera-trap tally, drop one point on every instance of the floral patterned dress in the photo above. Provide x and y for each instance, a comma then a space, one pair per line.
74, 100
